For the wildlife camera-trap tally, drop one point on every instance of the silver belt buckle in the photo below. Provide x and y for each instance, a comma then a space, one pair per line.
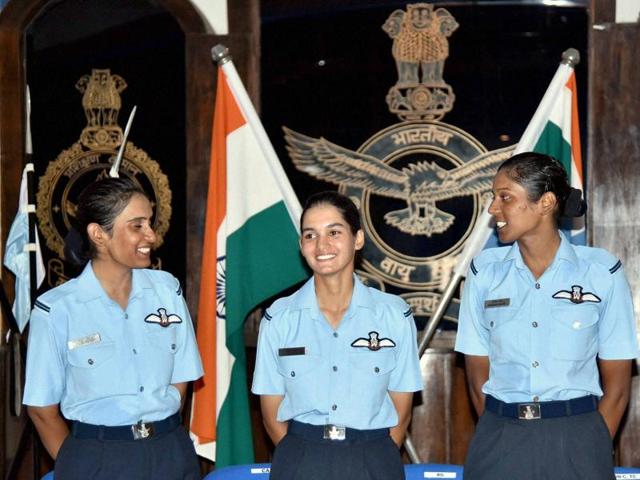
142, 430
529, 411
334, 432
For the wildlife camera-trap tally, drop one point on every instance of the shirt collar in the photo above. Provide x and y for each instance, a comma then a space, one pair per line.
90, 288
565, 252
306, 297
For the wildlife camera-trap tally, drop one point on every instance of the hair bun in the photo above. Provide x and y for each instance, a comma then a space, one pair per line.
574, 206
74, 248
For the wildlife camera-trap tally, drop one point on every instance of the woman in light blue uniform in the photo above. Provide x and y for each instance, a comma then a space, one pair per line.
337, 362
112, 351
548, 332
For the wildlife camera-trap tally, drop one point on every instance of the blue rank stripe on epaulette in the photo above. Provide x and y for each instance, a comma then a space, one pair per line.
42, 306
267, 316
179, 290
408, 313
473, 268
616, 267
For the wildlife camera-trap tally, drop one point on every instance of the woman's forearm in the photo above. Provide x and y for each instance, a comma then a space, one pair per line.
50, 426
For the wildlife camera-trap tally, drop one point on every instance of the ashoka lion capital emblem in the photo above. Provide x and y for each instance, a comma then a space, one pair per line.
420, 47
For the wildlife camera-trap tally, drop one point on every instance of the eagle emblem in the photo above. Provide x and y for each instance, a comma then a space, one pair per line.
373, 342
576, 295
420, 184
162, 318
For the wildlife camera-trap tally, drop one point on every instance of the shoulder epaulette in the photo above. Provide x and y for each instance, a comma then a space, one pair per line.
42, 306
408, 313
179, 290
473, 268
616, 267
267, 315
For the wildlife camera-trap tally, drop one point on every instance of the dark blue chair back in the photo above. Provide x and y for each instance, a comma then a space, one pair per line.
432, 470
255, 471
627, 473
48, 476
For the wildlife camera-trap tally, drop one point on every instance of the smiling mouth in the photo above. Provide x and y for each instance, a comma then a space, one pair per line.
501, 225
144, 250
325, 257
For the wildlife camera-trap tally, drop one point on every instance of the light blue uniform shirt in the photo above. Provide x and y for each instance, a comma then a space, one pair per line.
106, 366
341, 377
542, 337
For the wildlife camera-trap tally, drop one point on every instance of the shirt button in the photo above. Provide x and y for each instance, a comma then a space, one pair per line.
142, 389
335, 369
537, 286
334, 407
491, 323
126, 315
135, 352
377, 370
536, 398
90, 361
534, 324
173, 346
335, 334
535, 364
293, 374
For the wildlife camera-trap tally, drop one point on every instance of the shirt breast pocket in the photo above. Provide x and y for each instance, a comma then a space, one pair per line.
504, 338
91, 366
300, 376
370, 374
574, 331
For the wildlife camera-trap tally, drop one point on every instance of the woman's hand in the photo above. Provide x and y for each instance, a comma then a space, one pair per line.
269, 405
51, 427
477, 375
403, 401
615, 376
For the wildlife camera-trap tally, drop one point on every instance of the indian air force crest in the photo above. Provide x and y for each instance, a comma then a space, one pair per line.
420, 184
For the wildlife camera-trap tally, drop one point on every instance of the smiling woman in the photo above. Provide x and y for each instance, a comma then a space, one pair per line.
337, 362
548, 333
112, 351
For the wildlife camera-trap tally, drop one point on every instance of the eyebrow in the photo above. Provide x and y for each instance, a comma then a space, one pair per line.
331, 225
137, 219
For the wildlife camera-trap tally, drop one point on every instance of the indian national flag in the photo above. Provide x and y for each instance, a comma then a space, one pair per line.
250, 254
560, 138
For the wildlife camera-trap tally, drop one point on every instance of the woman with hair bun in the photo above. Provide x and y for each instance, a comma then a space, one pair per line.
548, 333
112, 351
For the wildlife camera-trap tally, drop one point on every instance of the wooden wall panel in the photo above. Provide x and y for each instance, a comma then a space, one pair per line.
613, 168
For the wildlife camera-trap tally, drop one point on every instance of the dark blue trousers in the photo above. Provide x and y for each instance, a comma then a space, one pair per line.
578, 447
364, 455
167, 456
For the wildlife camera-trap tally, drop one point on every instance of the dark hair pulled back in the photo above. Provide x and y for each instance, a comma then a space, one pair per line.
341, 202
539, 174
101, 202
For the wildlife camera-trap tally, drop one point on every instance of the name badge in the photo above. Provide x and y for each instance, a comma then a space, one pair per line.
84, 341
289, 352
498, 302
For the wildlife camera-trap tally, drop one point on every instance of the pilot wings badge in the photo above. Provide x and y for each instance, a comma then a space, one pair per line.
576, 295
162, 318
373, 342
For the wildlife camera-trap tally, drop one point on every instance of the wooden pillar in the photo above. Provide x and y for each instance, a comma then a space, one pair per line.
613, 173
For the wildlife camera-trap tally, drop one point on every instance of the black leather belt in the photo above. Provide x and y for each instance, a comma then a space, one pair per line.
139, 431
540, 410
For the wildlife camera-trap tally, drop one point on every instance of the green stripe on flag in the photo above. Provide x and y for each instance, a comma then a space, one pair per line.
263, 259
552, 143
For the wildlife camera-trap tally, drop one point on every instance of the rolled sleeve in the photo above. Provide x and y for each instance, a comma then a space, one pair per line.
617, 326
472, 337
266, 378
45, 374
406, 376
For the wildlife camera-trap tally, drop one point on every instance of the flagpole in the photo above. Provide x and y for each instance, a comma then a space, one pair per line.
221, 56
483, 228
